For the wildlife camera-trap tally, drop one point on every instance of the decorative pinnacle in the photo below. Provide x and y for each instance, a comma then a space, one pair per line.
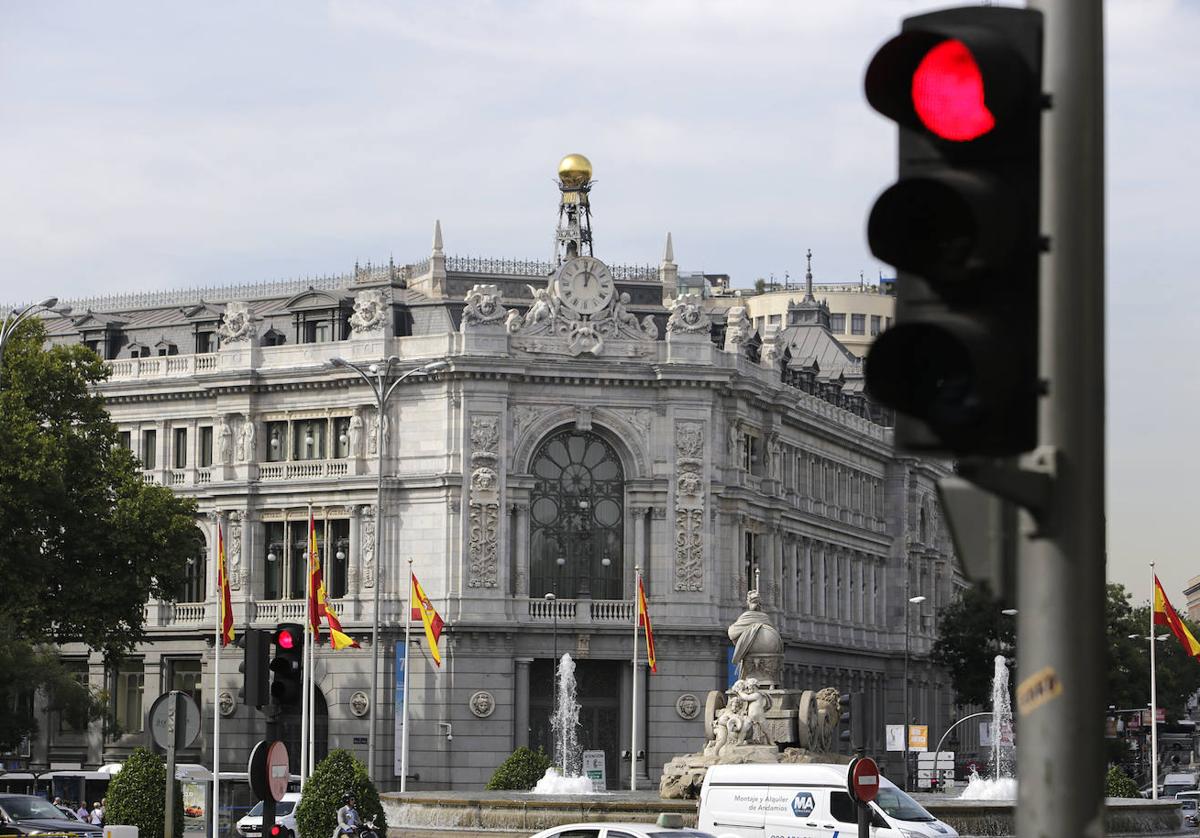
437, 238
669, 253
808, 283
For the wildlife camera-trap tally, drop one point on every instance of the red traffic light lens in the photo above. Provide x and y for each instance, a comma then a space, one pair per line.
276, 831
947, 93
285, 640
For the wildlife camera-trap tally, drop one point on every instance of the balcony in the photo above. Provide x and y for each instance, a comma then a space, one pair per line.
303, 469
614, 611
163, 366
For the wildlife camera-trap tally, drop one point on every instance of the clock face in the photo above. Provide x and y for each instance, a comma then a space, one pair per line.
585, 285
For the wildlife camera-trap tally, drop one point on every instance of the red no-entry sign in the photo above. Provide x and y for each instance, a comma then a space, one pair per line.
863, 779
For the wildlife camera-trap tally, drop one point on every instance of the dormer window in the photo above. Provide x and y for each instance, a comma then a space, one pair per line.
318, 331
206, 341
273, 337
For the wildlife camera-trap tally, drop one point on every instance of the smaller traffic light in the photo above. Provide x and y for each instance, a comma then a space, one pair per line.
287, 665
850, 723
255, 668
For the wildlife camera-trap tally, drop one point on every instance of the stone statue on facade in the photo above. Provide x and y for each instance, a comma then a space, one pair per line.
483, 308
355, 434
248, 441
756, 720
237, 324
224, 441
370, 312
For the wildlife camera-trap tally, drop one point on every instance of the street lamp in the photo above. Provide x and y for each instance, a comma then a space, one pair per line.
550, 598
912, 600
377, 377
15, 317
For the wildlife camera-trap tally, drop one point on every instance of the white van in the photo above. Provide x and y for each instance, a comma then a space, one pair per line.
804, 801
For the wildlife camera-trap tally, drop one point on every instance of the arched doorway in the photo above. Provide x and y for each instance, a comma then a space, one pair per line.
577, 512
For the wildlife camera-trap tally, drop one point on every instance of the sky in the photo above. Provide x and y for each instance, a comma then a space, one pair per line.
148, 146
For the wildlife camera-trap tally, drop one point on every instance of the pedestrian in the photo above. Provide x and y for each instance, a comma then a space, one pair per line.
97, 816
82, 812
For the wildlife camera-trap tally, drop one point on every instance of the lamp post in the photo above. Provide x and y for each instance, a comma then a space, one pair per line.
912, 600
377, 377
1151, 638
15, 317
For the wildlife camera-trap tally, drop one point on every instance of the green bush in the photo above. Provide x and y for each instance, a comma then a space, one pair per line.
135, 795
522, 770
1118, 784
340, 772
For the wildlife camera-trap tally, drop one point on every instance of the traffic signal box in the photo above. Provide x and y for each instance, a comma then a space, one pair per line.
255, 668
961, 226
287, 665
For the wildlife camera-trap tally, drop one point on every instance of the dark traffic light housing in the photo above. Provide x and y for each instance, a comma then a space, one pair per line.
287, 665
850, 721
961, 226
255, 668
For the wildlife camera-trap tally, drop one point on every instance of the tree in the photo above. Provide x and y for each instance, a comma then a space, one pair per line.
84, 540
971, 631
337, 774
1118, 784
135, 795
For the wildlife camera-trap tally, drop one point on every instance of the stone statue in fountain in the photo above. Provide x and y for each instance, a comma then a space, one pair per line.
756, 720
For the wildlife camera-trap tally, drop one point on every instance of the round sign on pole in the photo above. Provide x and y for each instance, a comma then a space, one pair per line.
268, 770
863, 779
165, 719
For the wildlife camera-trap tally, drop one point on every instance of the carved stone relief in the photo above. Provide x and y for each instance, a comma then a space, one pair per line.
367, 538
235, 551
237, 324
484, 502
737, 329
483, 308
689, 506
370, 312
688, 317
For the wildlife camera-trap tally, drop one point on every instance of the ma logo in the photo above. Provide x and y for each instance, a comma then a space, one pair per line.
802, 804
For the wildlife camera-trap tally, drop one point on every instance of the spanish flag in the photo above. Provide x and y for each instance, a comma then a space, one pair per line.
223, 591
318, 599
422, 609
644, 620
1165, 615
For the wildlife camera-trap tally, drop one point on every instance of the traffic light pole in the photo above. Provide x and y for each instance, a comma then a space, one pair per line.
1060, 653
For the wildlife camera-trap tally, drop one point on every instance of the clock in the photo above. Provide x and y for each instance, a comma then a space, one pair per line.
585, 285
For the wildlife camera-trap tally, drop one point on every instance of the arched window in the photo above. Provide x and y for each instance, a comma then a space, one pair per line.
577, 509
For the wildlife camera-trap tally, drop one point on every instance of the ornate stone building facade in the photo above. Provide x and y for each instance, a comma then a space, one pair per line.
588, 421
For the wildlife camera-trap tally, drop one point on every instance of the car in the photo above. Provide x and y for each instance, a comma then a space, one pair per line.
251, 824
27, 814
667, 826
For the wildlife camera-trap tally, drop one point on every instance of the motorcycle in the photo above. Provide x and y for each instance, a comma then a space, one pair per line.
366, 829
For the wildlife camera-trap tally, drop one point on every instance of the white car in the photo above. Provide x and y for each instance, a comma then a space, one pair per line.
251, 824
668, 826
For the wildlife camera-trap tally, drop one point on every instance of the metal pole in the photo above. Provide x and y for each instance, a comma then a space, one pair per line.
1060, 694
633, 717
380, 399
1153, 691
215, 814
404, 717
906, 709
173, 722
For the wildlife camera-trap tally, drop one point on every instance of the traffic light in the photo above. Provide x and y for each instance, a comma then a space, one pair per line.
256, 674
961, 226
287, 666
850, 723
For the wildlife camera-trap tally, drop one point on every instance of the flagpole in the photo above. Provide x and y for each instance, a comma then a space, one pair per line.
306, 672
1153, 689
633, 719
215, 814
404, 706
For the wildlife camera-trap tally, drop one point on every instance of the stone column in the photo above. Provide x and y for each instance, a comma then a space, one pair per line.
640, 558
353, 560
522, 554
521, 703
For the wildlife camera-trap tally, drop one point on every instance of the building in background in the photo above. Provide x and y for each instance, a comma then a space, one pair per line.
591, 419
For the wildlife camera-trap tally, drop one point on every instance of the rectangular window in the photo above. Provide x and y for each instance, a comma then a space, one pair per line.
773, 320
837, 324
273, 578
341, 436
195, 584
125, 440
149, 449
206, 445
751, 559
276, 442
858, 324
179, 448
875, 324
78, 670
318, 331
308, 439
184, 675
206, 342
127, 696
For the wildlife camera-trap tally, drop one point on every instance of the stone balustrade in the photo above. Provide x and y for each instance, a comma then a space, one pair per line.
585, 610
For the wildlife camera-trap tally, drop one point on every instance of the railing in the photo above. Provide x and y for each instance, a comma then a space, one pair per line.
303, 470
279, 610
535, 267
186, 612
594, 610
176, 477
160, 366
203, 476
150, 476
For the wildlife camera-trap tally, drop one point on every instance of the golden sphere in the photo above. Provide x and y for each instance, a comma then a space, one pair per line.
574, 170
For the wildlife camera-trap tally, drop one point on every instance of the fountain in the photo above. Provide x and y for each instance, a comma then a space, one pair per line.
1001, 785
565, 776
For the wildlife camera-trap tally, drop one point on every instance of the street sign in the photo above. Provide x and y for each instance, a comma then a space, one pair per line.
918, 737
593, 769
863, 779
166, 720
268, 770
